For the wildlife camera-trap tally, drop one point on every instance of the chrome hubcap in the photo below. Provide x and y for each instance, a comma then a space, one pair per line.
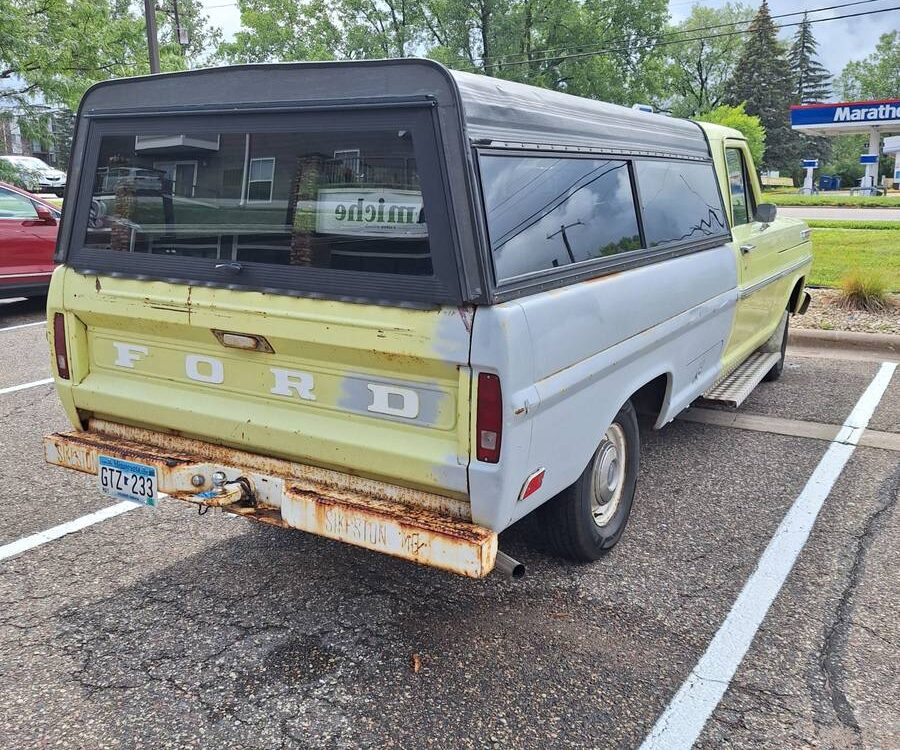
608, 475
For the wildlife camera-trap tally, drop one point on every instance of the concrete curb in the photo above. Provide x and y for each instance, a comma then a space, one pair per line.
887, 343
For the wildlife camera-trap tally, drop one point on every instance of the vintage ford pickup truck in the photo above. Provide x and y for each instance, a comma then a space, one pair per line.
401, 306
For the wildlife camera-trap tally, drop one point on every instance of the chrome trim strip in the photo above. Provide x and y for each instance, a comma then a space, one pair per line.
747, 291
24, 275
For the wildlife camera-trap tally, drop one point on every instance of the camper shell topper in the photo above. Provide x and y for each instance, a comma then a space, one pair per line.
353, 180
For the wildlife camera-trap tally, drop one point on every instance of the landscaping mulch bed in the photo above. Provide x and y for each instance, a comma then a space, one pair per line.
826, 314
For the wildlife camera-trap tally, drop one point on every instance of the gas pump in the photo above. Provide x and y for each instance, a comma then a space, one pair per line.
810, 165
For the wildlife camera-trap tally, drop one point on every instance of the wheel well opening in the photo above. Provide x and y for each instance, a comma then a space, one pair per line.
795, 294
648, 400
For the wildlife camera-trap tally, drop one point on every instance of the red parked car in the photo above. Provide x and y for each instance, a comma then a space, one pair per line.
28, 228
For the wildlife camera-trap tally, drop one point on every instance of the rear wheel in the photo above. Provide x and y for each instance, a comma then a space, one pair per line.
588, 518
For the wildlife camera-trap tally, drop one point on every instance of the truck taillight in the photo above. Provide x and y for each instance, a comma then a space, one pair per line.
59, 345
489, 418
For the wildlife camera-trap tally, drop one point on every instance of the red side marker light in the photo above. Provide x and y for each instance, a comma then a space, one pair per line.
532, 484
59, 345
489, 418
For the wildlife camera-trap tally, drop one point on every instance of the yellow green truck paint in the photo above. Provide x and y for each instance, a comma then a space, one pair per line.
346, 348
772, 271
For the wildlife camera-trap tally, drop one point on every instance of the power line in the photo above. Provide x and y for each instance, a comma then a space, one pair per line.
501, 60
651, 45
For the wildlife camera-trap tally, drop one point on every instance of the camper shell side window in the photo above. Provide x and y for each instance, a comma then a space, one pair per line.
560, 217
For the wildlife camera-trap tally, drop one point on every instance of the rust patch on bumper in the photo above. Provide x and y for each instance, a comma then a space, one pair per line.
404, 523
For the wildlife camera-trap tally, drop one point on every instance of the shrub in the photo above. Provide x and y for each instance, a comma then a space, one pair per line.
864, 291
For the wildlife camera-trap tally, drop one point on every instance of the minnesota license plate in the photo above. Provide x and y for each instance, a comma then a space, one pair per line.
127, 480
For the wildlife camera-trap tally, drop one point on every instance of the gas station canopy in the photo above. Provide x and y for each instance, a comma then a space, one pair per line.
841, 118
875, 118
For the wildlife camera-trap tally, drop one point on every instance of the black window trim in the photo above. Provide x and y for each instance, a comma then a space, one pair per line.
553, 278
748, 186
443, 287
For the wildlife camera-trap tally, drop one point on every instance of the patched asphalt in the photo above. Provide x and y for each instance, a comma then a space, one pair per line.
163, 629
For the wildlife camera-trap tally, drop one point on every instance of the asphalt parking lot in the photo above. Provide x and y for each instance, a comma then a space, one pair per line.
164, 629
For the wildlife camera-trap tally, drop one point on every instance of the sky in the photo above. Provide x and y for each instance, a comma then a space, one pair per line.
839, 41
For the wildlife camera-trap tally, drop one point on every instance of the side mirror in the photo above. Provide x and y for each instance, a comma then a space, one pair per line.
765, 213
45, 216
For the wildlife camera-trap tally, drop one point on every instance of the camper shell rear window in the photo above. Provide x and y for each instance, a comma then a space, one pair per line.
347, 205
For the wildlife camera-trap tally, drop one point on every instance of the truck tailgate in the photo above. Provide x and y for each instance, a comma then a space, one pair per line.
375, 391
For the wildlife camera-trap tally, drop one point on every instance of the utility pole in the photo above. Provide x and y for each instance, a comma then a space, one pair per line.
152, 41
565, 238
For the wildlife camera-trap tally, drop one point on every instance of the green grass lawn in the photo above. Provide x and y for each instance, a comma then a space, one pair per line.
838, 251
893, 226
823, 199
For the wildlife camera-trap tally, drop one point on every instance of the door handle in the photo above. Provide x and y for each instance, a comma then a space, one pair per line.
747, 248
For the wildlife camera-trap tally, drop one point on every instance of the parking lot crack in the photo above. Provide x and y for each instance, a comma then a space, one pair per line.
837, 632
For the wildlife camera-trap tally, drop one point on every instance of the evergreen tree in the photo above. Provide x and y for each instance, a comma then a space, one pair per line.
812, 82
762, 79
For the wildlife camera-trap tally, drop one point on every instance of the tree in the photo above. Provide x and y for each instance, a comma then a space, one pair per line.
381, 28
750, 126
843, 159
202, 38
534, 41
700, 67
51, 51
282, 30
54, 49
762, 80
812, 81
876, 76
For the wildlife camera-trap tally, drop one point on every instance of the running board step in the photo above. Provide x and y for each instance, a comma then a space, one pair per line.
733, 390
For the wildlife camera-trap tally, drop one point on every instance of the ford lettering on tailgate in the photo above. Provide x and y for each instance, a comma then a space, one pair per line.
405, 401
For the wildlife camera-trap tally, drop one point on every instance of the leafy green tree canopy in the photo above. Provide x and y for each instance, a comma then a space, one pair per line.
542, 42
700, 68
750, 126
876, 76
51, 51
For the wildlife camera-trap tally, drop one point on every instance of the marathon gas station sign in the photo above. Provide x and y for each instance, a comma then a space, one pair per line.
851, 117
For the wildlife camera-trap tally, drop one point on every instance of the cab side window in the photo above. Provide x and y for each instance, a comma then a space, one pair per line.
739, 188
15, 206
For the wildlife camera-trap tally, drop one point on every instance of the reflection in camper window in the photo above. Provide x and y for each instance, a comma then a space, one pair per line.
544, 212
340, 200
680, 201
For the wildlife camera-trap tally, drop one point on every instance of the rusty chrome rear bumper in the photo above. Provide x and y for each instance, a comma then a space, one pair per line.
418, 526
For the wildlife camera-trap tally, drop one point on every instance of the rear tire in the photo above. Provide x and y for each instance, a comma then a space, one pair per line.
588, 518
775, 373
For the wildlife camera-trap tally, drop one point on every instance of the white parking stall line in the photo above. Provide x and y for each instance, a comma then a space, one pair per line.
19, 326
23, 325
42, 537
681, 723
24, 386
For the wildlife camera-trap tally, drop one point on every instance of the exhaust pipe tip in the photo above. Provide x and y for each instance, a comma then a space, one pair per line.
508, 566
